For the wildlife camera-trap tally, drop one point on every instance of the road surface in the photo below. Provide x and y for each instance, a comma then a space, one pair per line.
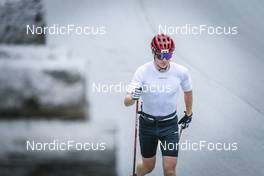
226, 71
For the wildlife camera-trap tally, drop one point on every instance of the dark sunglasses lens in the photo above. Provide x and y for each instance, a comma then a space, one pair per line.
166, 56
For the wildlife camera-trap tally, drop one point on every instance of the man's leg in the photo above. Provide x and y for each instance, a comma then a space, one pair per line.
169, 137
148, 146
169, 165
146, 166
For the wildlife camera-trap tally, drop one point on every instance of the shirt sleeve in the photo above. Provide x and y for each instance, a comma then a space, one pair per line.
186, 82
136, 81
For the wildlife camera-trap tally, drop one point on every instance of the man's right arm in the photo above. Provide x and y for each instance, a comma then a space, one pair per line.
128, 101
134, 89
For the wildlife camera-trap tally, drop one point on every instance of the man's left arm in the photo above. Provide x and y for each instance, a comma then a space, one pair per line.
188, 99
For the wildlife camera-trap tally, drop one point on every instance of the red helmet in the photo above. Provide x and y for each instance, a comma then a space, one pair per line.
162, 42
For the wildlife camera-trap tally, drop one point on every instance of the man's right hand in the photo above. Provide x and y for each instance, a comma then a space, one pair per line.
136, 93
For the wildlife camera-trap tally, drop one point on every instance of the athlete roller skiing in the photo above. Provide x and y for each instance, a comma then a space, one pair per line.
158, 85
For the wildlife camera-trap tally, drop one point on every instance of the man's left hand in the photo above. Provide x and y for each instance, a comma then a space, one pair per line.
185, 120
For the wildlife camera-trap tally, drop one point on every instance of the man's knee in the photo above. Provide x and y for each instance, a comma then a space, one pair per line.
169, 171
169, 166
149, 163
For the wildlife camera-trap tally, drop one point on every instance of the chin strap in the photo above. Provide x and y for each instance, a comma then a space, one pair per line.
162, 69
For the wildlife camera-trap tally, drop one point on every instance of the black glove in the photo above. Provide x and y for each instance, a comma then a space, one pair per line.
136, 93
185, 120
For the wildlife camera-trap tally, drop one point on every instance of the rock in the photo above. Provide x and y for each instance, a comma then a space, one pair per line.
40, 82
17, 160
15, 15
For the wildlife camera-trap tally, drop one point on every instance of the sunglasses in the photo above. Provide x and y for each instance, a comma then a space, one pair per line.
163, 56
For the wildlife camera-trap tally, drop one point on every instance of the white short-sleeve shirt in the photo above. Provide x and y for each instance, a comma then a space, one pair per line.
161, 90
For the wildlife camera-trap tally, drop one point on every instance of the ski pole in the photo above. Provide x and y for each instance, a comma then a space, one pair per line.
135, 141
180, 131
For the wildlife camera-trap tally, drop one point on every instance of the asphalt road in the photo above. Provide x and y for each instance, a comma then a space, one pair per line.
227, 73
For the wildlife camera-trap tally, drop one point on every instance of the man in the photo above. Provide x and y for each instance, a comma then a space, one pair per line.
158, 83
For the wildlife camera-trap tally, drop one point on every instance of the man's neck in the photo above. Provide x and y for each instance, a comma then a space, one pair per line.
160, 69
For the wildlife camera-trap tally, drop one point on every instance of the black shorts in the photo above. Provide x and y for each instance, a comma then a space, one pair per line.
150, 133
